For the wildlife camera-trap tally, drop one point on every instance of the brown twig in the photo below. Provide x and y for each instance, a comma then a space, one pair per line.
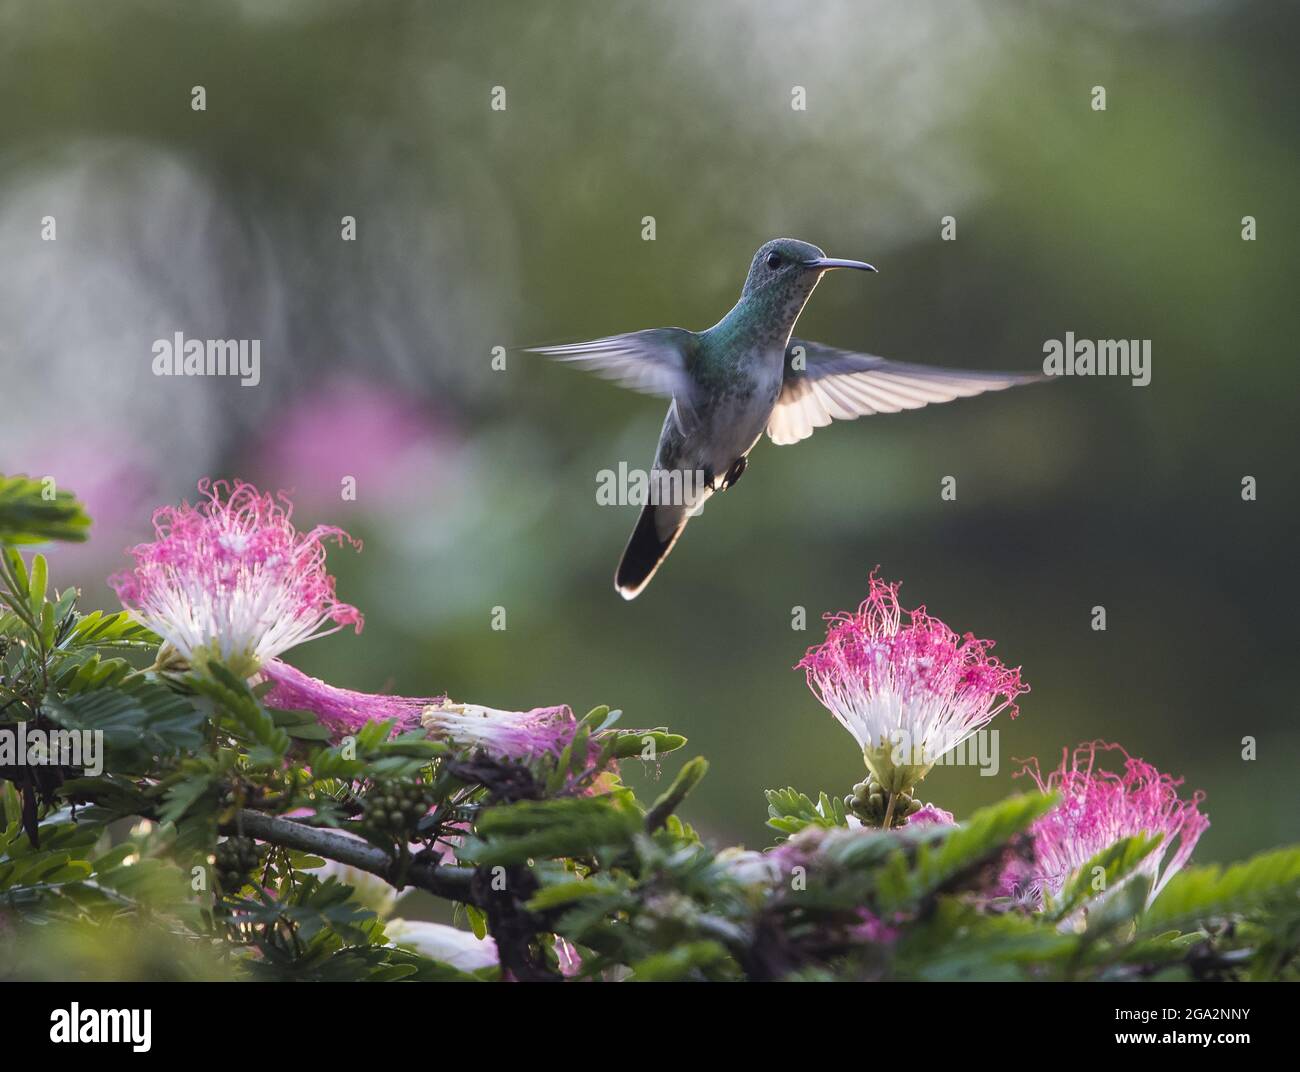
450, 882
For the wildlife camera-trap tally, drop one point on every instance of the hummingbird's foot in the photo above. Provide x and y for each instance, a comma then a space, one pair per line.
734, 474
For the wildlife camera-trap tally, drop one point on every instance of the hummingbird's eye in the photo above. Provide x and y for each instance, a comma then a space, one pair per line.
774, 261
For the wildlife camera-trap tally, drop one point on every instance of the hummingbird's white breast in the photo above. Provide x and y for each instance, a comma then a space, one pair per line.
724, 426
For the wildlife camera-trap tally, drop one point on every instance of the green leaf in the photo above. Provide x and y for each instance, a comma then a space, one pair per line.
598, 718
219, 683
141, 724
563, 894
38, 577
90, 673
32, 511
16, 576
61, 858
1116, 863
956, 943
677, 963
962, 848
99, 630
308, 733
573, 760
571, 826
1196, 894
632, 743
180, 797
152, 881
790, 811
687, 779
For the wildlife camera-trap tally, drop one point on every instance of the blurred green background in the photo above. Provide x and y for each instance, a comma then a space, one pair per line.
479, 228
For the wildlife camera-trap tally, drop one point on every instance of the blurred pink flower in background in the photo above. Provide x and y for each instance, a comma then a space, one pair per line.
110, 474
873, 930
1099, 807
351, 427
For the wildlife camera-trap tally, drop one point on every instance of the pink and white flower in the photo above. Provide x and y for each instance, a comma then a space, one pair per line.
568, 957
231, 578
443, 943
518, 735
909, 692
1098, 808
342, 711
929, 815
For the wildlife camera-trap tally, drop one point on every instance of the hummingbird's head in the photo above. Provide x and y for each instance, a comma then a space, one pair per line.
786, 268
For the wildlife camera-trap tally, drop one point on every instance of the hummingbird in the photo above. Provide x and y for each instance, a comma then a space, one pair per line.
746, 375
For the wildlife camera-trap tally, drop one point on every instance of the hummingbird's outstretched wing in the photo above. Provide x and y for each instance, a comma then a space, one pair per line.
842, 385
651, 361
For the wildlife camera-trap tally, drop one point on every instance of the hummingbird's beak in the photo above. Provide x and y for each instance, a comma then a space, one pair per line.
827, 263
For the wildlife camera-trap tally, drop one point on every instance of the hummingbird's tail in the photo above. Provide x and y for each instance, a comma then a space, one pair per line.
656, 531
